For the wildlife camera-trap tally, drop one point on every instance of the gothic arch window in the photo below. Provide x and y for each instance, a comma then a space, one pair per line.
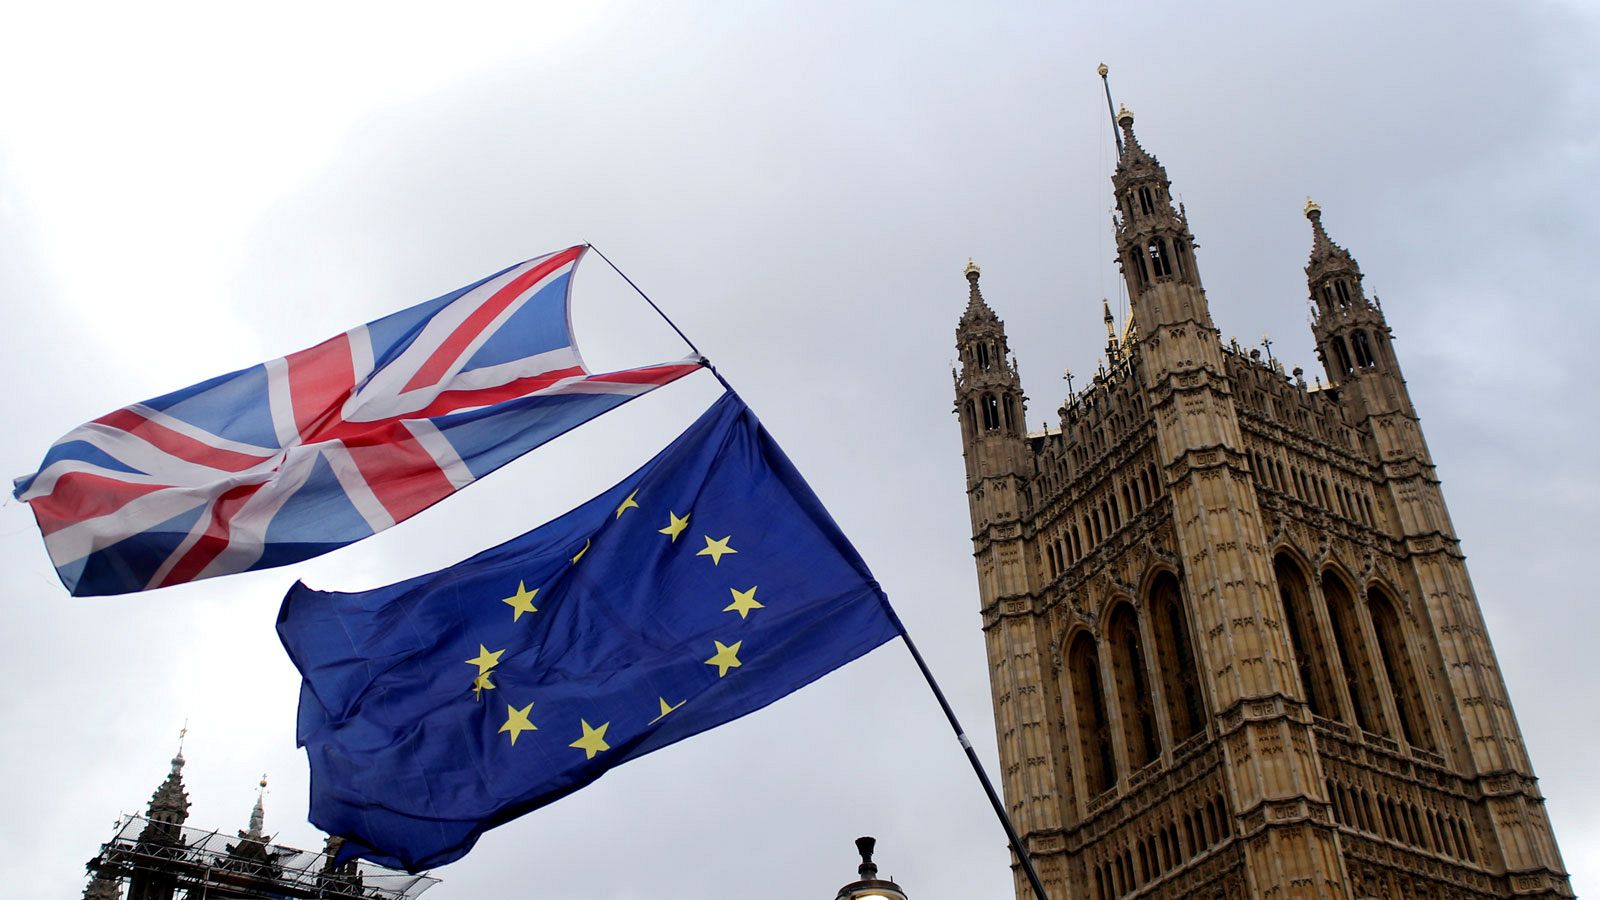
1147, 203
1144, 271
1131, 682
1343, 290
1310, 655
1363, 349
1343, 354
991, 413
1354, 657
1327, 298
983, 356
1094, 730
1179, 251
1160, 263
969, 420
1011, 413
1175, 659
1400, 669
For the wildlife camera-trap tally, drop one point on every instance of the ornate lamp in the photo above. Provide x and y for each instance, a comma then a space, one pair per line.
870, 887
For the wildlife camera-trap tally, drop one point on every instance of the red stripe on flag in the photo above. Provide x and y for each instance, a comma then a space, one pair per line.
215, 539
481, 318
656, 375
84, 495
179, 445
401, 474
319, 380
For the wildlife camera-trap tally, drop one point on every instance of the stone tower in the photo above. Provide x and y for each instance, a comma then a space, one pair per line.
1233, 647
162, 834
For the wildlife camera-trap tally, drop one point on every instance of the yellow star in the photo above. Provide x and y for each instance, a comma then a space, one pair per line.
485, 660
726, 658
665, 708
593, 740
480, 684
628, 504
716, 549
675, 526
517, 722
582, 552
522, 601
743, 602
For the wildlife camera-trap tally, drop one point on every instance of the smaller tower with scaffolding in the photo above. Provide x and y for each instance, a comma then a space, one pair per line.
156, 856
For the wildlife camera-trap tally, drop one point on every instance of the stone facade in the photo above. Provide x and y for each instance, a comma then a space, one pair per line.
1233, 646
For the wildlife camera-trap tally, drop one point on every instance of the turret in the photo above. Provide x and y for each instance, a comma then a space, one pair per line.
169, 806
1154, 245
1352, 336
989, 396
168, 810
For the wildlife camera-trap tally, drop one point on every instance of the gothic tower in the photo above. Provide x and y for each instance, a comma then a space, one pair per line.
163, 831
1233, 647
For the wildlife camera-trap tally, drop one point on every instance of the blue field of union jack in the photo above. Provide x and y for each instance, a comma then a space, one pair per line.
301, 455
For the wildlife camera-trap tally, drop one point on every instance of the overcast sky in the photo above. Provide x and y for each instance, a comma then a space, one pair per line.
185, 190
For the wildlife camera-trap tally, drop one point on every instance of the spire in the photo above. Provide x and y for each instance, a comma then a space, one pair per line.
169, 805
1133, 159
977, 309
1326, 256
258, 816
170, 802
1113, 346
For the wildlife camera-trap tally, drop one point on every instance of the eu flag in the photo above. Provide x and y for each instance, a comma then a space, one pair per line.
706, 585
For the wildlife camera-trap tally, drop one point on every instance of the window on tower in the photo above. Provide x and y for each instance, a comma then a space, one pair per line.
983, 356
1363, 349
1343, 354
1159, 263
1343, 290
991, 413
1147, 203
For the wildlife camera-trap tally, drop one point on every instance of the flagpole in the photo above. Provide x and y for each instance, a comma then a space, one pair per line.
977, 767
961, 736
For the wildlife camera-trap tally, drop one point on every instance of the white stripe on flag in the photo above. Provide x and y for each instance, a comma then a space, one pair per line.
355, 486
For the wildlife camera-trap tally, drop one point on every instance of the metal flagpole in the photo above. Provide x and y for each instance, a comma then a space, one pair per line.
1117, 133
961, 736
977, 767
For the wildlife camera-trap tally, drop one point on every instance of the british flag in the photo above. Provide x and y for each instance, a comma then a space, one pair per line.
301, 455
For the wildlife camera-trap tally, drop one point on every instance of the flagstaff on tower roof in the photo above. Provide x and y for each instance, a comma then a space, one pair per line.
1110, 107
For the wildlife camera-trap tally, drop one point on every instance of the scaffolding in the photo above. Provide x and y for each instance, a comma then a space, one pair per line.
196, 864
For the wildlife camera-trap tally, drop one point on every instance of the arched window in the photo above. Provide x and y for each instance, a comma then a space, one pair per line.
969, 420
1400, 670
991, 413
1180, 674
1353, 654
1310, 656
1343, 290
1343, 355
1178, 253
1132, 685
1094, 731
1327, 298
1147, 203
1011, 413
1160, 264
983, 356
1364, 357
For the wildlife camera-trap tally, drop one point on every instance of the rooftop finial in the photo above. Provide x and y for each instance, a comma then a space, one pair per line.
1313, 209
972, 270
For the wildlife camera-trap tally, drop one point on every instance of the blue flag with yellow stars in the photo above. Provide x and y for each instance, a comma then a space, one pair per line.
706, 585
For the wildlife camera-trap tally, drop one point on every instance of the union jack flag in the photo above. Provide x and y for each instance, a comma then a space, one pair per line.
301, 455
